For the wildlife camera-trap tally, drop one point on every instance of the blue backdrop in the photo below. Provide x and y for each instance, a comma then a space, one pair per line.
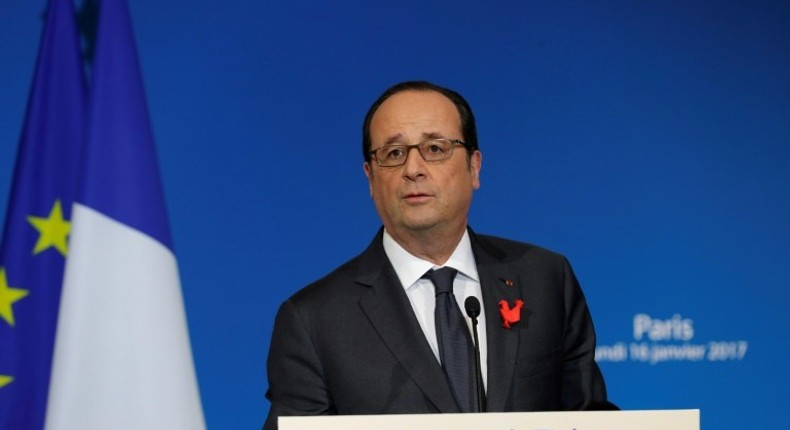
652, 140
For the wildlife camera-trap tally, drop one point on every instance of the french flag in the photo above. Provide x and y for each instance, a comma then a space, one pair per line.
122, 357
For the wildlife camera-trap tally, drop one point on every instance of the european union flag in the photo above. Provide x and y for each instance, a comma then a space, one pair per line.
35, 238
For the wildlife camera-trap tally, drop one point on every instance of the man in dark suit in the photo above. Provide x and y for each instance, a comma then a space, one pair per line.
367, 338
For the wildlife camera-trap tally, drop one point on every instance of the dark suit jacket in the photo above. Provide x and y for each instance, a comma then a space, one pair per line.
350, 343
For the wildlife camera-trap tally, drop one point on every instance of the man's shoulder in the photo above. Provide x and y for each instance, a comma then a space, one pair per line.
506, 249
332, 286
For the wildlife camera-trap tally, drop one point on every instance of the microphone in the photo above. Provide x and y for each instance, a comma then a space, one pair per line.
472, 306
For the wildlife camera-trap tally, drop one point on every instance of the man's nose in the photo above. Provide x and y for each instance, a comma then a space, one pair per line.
414, 167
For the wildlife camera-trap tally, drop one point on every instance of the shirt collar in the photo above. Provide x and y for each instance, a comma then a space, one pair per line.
410, 268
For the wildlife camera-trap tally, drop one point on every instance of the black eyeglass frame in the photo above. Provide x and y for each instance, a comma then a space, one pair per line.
419, 146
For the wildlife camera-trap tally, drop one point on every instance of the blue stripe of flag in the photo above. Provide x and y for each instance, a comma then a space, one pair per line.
122, 178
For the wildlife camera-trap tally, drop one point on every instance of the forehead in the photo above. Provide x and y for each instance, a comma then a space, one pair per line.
412, 113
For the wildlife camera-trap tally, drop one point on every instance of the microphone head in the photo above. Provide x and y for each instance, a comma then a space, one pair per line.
472, 306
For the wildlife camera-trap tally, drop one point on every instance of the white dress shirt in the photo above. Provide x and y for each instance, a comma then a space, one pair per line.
422, 294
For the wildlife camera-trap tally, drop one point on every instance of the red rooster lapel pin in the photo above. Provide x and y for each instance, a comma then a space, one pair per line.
510, 315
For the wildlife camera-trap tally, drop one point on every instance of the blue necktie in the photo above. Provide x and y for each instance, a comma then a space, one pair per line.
456, 350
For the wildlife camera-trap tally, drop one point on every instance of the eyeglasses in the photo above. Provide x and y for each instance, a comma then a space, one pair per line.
430, 150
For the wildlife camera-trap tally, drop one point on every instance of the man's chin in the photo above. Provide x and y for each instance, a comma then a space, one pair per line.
419, 225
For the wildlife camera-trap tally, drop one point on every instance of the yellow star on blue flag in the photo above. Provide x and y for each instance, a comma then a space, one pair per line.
8, 296
53, 230
5, 380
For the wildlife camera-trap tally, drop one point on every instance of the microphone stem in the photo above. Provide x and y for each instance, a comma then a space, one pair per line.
481, 398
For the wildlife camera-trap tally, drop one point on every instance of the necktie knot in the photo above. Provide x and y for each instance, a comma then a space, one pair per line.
443, 279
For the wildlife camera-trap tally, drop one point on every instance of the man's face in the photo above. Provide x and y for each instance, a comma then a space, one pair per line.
420, 196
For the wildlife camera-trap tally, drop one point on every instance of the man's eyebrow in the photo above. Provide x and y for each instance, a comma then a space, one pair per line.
397, 139
432, 135
394, 140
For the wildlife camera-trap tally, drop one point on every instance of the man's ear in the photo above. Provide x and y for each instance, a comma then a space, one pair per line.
368, 174
475, 163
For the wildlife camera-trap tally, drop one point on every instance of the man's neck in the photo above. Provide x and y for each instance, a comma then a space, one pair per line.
434, 245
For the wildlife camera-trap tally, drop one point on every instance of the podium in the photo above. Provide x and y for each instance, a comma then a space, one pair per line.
593, 420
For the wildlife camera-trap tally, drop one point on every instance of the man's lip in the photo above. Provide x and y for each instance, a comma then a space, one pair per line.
416, 197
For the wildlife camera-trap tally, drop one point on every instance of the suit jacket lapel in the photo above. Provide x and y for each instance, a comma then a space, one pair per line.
498, 281
389, 311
